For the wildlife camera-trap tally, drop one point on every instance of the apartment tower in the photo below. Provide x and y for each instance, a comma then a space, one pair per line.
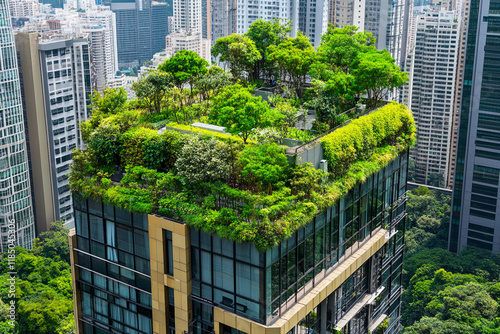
15, 189
475, 219
431, 67
57, 88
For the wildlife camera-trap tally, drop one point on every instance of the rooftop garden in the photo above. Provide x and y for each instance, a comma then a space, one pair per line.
147, 155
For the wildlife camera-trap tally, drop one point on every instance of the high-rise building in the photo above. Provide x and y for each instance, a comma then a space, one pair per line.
100, 24
310, 17
313, 19
347, 13
387, 20
141, 27
57, 88
475, 219
15, 189
206, 19
224, 15
188, 16
464, 14
431, 67
24, 8
339, 271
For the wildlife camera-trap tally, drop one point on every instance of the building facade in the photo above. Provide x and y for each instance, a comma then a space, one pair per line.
388, 22
431, 67
475, 220
224, 18
141, 27
151, 274
15, 189
57, 88
24, 8
347, 13
464, 14
100, 24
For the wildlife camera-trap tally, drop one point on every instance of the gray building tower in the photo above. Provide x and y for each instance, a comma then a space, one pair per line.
15, 188
475, 218
141, 27
57, 88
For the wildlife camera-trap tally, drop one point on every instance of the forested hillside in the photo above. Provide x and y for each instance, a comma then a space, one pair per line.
44, 298
445, 292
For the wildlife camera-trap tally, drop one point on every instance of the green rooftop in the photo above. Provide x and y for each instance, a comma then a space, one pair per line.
198, 146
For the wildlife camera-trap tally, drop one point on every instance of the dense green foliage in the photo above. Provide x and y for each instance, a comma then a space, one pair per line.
392, 123
445, 292
226, 182
184, 183
44, 296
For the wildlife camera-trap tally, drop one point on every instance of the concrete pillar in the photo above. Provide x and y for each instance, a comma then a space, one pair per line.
323, 308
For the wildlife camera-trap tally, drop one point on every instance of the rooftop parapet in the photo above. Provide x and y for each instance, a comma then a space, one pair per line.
212, 181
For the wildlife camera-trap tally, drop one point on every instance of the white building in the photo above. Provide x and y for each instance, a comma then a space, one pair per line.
187, 16
431, 67
188, 32
182, 41
24, 8
347, 13
57, 86
100, 24
310, 17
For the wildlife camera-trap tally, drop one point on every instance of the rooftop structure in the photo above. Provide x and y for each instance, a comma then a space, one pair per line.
317, 252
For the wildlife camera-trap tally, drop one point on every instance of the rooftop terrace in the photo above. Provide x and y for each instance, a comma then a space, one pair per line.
259, 192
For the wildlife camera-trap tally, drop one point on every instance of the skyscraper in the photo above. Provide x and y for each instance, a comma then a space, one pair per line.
475, 218
337, 271
387, 20
308, 16
15, 188
431, 67
57, 88
464, 14
141, 27
347, 13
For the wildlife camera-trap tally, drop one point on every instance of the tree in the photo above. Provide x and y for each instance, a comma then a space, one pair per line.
153, 88
239, 51
239, 112
264, 34
111, 101
212, 83
340, 46
185, 66
104, 143
294, 58
266, 164
287, 116
375, 73
203, 160
53, 243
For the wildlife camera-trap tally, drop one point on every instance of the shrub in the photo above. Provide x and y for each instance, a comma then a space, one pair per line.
203, 160
265, 164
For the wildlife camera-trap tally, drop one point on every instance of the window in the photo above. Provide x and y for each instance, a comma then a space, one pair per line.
169, 260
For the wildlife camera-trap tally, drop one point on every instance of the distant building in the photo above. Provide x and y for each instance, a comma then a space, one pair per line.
141, 27
387, 20
224, 17
182, 41
347, 13
24, 8
15, 189
57, 87
464, 14
430, 92
475, 216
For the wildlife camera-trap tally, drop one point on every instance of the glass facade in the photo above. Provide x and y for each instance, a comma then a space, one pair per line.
114, 276
113, 268
475, 193
15, 188
262, 286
